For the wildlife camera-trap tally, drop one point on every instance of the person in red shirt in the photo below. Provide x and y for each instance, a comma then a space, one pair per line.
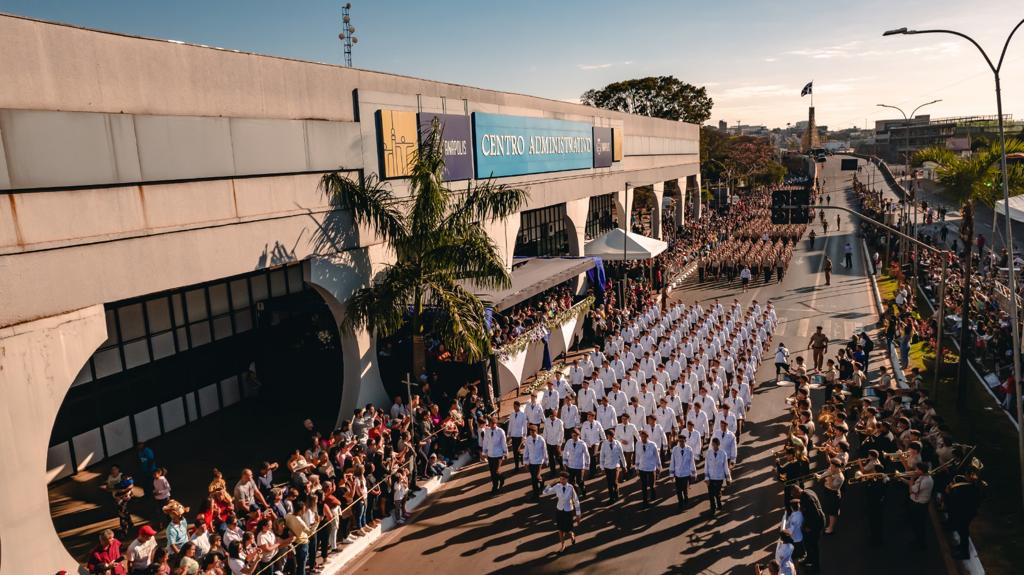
107, 555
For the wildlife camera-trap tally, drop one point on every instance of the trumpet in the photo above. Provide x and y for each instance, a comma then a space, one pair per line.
895, 455
860, 477
803, 478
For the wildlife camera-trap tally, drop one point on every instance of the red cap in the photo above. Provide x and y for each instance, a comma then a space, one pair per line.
147, 531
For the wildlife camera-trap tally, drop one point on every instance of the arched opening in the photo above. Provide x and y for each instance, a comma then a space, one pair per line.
644, 210
220, 374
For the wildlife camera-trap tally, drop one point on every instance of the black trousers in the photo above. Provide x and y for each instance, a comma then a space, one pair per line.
683, 489
576, 479
962, 526
715, 494
811, 538
848, 260
535, 481
493, 464
517, 457
876, 521
918, 522
595, 455
554, 459
647, 485
611, 477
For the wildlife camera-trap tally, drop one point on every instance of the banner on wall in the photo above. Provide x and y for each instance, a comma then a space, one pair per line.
602, 147
397, 142
456, 141
518, 145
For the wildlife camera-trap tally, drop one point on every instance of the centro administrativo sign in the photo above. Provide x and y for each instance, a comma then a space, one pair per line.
517, 145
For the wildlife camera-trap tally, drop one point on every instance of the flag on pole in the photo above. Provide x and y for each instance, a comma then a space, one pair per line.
807, 89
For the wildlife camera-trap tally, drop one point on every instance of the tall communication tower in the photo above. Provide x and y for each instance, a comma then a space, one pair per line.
348, 32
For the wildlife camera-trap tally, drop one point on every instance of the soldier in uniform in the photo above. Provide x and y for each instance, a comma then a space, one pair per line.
963, 497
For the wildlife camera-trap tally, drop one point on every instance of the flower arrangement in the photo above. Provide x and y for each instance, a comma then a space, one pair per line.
542, 330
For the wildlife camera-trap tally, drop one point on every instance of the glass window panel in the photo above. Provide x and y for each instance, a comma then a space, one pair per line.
222, 327
277, 287
132, 324
243, 320
136, 353
219, 299
107, 362
259, 287
196, 300
295, 278
159, 314
179, 309
182, 338
200, 333
240, 294
163, 345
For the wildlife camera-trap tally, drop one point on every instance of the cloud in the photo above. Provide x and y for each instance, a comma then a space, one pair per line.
843, 50
771, 59
594, 66
756, 91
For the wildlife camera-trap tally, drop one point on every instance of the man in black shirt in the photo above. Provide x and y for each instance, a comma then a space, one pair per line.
963, 497
814, 522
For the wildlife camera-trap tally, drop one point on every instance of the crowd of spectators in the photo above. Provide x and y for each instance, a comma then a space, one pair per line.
288, 518
524, 316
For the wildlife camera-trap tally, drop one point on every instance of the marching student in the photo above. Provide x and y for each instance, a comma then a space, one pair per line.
535, 455
683, 469
716, 473
648, 461
612, 461
554, 433
576, 457
495, 448
516, 431
567, 509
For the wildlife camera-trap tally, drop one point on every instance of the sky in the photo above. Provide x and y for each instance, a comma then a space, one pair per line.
753, 56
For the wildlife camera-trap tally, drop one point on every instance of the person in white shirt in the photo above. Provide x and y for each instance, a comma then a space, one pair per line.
626, 433
563, 387
636, 411
586, 398
707, 403
516, 432
694, 439
570, 416
612, 460
535, 454
683, 469
495, 448
576, 457
648, 461
666, 416
607, 375
534, 411
591, 433
554, 435
630, 385
551, 399
781, 360
698, 418
587, 366
140, 551
568, 505
647, 366
795, 526
920, 489
738, 408
606, 414
656, 433
725, 416
647, 399
674, 367
716, 472
618, 367
576, 374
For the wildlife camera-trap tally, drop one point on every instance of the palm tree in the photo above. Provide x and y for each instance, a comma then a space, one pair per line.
976, 177
440, 248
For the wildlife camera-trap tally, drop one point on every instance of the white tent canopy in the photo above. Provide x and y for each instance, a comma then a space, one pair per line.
1016, 208
609, 247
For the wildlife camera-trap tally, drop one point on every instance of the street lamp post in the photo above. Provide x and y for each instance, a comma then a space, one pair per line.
908, 196
1012, 282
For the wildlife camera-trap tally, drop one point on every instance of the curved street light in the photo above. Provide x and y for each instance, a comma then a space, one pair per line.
1012, 281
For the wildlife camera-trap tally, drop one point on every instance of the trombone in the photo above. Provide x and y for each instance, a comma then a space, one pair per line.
861, 477
803, 478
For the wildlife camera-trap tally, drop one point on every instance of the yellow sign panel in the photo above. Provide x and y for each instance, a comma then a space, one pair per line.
398, 142
616, 144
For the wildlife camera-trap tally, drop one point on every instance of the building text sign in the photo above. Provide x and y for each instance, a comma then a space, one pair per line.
456, 143
517, 145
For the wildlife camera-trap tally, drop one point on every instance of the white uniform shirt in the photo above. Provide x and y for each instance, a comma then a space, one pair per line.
700, 421
570, 416
694, 440
534, 413
554, 431
618, 400
636, 412
535, 451
606, 416
576, 375
627, 435
517, 424
648, 401
550, 400
575, 454
611, 455
656, 435
681, 463
566, 496
716, 465
586, 399
648, 458
494, 444
666, 418
591, 432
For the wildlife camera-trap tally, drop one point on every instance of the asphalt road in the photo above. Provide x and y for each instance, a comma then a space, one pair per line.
466, 530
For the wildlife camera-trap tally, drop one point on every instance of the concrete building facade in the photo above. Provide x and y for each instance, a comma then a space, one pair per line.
136, 174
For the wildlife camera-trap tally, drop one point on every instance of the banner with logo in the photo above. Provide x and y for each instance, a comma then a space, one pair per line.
517, 145
456, 141
602, 147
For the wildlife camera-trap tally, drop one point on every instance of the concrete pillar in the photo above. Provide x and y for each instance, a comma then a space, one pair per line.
576, 213
504, 235
38, 362
624, 205
336, 278
659, 196
677, 188
696, 204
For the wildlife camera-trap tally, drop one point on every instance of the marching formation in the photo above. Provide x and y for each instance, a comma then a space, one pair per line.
668, 391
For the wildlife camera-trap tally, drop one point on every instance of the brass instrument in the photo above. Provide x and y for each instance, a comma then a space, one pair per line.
861, 477
896, 455
803, 478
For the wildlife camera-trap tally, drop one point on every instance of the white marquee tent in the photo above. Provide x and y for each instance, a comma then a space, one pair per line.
617, 245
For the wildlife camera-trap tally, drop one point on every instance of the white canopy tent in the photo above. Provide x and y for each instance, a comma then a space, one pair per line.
617, 245
1016, 208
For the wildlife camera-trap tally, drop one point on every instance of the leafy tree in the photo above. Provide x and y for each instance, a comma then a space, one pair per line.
663, 97
976, 177
438, 240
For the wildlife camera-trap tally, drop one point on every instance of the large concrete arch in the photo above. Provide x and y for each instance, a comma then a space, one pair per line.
38, 362
336, 278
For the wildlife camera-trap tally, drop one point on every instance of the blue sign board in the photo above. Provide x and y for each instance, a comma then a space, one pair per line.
517, 145
455, 142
